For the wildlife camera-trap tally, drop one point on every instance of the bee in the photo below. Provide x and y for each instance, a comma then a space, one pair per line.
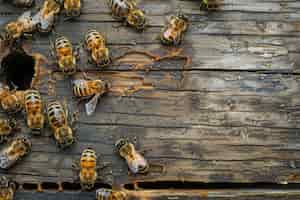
135, 161
15, 151
173, 32
95, 44
58, 120
109, 194
65, 56
34, 111
25, 25
7, 127
88, 169
47, 15
13, 102
210, 5
7, 189
89, 88
127, 10
23, 3
72, 7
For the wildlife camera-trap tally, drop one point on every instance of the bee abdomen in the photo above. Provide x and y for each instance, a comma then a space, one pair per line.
63, 42
56, 114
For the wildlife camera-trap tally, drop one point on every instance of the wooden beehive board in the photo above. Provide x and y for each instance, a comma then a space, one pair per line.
231, 116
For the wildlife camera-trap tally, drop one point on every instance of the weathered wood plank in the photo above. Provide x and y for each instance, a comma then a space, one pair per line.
172, 194
191, 7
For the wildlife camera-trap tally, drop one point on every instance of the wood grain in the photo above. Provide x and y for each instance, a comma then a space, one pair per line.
231, 116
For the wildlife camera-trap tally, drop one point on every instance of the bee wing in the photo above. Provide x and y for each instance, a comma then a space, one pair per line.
47, 22
77, 81
35, 19
5, 162
25, 15
90, 106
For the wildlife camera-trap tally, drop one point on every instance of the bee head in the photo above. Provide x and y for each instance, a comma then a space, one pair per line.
66, 136
137, 19
74, 13
11, 105
121, 143
4, 182
87, 186
181, 21
12, 123
4, 89
101, 56
23, 141
103, 193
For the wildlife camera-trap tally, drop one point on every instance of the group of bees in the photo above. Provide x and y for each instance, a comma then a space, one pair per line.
125, 10
88, 167
62, 124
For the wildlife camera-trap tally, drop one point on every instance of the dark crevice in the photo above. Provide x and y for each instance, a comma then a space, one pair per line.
50, 186
29, 186
157, 185
18, 69
71, 186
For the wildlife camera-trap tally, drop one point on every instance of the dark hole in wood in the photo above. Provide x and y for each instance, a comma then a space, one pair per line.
50, 186
30, 186
71, 186
200, 185
18, 69
102, 185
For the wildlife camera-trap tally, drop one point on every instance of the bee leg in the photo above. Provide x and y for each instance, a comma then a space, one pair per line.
78, 51
2, 139
75, 165
90, 61
103, 166
86, 77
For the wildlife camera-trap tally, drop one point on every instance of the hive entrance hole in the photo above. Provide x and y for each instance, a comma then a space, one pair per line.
18, 68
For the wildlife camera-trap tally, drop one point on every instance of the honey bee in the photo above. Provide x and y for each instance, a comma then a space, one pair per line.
11, 101
14, 152
135, 161
72, 7
23, 26
58, 120
34, 111
23, 3
7, 189
65, 55
47, 15
95, 44
7, 127
173, 32
89, 88
127, 10
88, 169
109, 194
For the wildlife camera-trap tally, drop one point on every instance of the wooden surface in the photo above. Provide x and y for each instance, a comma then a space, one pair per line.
232, 116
